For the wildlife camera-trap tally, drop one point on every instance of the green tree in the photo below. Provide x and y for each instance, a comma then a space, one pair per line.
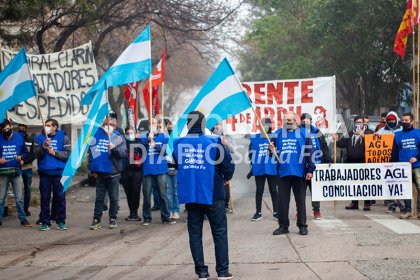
352, 39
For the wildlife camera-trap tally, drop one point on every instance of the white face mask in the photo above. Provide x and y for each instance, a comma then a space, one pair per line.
47, 129
153, 129
109, 129
130, 137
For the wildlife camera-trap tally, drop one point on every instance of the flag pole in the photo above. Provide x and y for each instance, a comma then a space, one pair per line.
163, 104
40, 114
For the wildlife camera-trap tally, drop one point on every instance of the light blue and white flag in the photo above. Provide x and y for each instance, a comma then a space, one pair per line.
16, 84
94, 120
134, 64
221, 97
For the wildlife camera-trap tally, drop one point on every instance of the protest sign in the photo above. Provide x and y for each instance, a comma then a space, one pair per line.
370, 181
272, 99
61, 79
378, 148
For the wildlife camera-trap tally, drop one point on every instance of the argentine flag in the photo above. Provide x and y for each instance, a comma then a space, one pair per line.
133, 65
16, 84
221, 97
94, 120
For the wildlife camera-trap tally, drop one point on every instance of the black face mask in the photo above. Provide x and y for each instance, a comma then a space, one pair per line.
7, 133
406, 126
392, 124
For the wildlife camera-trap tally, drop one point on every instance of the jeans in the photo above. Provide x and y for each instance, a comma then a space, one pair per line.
316, 205
416, 181
17, 185
272, 185
172, 193
46, 183
155, 191
27, 184
299, 190
104, 185
160, 182
131, 181
216, 215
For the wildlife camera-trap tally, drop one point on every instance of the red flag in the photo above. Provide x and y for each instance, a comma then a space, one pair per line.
130, 93
158, 75
155, 100
410, 19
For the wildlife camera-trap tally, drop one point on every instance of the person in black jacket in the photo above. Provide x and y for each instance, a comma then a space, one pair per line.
355, 146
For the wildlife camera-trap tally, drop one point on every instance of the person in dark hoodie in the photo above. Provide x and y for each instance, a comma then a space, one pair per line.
263, 167
319, 144
199, 156
355, 146
294, 148
132, 175
52, 149
106, 159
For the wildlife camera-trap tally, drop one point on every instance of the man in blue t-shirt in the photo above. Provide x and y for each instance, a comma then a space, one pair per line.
52, 149
204, 167
13, 153
407, 149
295, 166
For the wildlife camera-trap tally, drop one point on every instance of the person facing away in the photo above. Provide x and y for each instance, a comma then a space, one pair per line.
52, 149
199, 156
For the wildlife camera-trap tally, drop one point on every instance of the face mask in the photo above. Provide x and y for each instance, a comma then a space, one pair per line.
358, 127
153, 129
288, 125
47, 129
391, 124
7, 133
109, 129
130, 137
407, 126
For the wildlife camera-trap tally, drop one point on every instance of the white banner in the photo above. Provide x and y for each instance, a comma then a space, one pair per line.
362, 181
272, 99
61, 79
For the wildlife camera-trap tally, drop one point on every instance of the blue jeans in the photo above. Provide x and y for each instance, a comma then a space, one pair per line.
17, 185
216, 215
416, 181
27, 184
104, 185
160, 182
155, 191
172, 193
46, 183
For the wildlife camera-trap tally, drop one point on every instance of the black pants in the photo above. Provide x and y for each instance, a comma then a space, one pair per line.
298, 185
131, 181
227, 195
272, 185
316, 205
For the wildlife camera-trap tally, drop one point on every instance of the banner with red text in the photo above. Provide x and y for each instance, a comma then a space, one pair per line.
272, 99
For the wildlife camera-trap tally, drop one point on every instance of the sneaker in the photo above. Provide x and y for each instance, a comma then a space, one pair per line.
391, 210
169, 222
133, 218
317, 215
303, 231
113, 223
366, 207
25, 223
175, 216
105, 208
280, 231
275, 216
257, 216
61, 226
96, 224
225, 276
405, 215
227, 210
203, 276
147, 222
27, 213
44, 227
154, 208
352, 206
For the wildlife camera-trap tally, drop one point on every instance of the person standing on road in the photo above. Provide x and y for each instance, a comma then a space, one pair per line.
406, 148
263, 167
52, 152
318, 144
13, 153
355, 146
296, 166
155, 169
106, 157
172, 190
199, 156
132, 175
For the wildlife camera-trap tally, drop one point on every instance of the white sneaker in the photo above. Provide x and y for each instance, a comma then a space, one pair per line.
171, 215
175, 216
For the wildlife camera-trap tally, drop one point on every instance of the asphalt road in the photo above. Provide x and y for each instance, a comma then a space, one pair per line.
344, 245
